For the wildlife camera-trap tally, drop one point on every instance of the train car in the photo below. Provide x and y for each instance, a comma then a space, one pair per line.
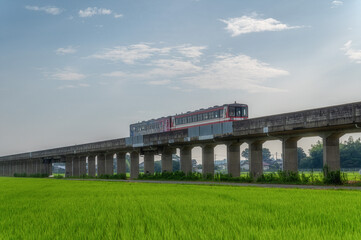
212, 115
152, 126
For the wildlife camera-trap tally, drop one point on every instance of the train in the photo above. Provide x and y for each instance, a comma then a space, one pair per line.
201, 117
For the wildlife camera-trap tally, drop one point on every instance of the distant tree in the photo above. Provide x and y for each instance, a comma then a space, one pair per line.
266, 154
315, 160
350, 153
301, 155
158, 166
245, 153
176, 166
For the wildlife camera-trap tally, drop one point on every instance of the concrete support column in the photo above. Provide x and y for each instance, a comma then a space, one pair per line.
101, 164
28, 166
22, 166
8, 169
167, 163
134, 165
91, 166
1, 169
255, 159
11, 168
68, 166
109, 159
37, 166
331, 151
121, 165
82, 166
234, 159
76, 167
290, 156
208, 159
149, 163
186, 159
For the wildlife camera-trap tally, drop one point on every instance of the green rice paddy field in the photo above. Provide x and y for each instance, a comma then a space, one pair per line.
68, 209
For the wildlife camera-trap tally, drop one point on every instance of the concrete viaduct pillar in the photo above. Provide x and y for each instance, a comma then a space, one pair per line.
255, 158
233, 159
186, 159
82, 166
167, 162
101, 164
149, 163
68, 166
109, 158
208, 159
331, 151
134, 165
91, 166
290, 155
76, 167
121, 165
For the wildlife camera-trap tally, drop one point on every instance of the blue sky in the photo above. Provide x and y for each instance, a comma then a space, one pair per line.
80, 71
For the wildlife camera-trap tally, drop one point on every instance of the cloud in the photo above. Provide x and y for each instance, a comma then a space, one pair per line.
64, 51
48, 9
91, 11
67, 74
171, 68
118, 15
130, 54
352, 54
336, 3
115, 74
191, 51
236, 72
159, 82
247, 24
80, 85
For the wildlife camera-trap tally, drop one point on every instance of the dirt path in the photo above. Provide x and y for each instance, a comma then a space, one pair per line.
228, 184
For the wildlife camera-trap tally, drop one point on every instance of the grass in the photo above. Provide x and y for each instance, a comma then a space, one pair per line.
68, 209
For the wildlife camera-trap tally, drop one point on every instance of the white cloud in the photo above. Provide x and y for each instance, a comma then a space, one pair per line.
67, 50
236, 72
191, 51
91, 11
247, 24
67, 74
80, 85
353, 54
159, 82
118, 15
130, 54
172, 68
115, 74
47, 9
336, 3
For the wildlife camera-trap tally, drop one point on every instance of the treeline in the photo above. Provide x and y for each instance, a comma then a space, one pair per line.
350, 155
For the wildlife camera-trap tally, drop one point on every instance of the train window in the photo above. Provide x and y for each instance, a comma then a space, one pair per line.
205, 116
200, 117
194, 118
238, 112
211, 115
216, 114
231, 111
190, 119
244, 112
184, 120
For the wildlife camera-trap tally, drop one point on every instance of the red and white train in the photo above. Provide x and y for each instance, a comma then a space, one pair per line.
212, 115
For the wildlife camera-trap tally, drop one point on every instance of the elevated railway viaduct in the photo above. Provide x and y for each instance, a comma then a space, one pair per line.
329, 123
